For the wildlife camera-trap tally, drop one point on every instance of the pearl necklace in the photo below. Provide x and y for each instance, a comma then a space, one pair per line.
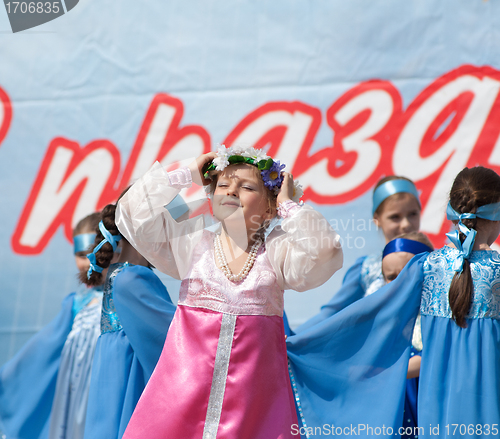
221, 258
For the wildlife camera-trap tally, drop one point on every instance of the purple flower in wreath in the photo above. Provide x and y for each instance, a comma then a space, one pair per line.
272, 177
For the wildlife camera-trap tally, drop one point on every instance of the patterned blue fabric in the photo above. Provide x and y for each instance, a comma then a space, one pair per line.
438, 272
136, 320
371, 274
109, 318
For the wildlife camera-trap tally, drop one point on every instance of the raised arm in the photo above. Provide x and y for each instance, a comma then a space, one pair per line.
305, 251
143, 219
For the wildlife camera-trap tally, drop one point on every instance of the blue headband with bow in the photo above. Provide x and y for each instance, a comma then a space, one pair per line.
108, 237
488, 211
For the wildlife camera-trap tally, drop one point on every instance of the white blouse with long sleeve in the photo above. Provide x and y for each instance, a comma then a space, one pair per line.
304, 250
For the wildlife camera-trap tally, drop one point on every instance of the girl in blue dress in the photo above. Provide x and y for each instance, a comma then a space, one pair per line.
136, 314
350, 371
396, 210
44, 387
397, 253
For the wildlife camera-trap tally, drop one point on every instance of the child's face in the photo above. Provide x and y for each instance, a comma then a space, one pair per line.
394, 263
239, 191
399, 215
82, 262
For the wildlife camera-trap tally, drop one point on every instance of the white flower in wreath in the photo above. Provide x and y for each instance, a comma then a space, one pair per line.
256, 154
237, 150
221, 161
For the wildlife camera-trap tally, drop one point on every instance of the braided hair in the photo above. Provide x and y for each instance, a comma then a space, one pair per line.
472, 188
105, 254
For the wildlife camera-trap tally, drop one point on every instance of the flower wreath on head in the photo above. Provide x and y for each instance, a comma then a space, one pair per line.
270, 170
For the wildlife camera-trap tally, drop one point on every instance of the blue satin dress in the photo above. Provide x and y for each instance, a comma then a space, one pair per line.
136, 314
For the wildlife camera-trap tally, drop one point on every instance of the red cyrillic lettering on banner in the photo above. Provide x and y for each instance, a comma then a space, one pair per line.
72, 182
285, 130
442, 131
453, 123
160, 138
5, 114
363, 121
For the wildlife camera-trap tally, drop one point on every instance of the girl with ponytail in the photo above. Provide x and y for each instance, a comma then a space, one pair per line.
351, 369
136, 314
473, 208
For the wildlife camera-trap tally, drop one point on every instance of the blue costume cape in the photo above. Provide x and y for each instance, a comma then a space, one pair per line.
137, 312
28, 380
350, 368
350, 291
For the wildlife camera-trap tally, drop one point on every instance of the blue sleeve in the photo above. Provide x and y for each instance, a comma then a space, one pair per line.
351, 368
350, 291
145, 311
28, 380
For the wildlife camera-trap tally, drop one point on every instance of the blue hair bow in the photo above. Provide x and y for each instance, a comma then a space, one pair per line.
108, 237
488, 211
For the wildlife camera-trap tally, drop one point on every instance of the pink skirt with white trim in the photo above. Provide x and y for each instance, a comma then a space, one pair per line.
219, 376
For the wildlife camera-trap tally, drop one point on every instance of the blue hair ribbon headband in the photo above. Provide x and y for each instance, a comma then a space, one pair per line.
405, 245
108, 237
488, 211
392, 187
82, 242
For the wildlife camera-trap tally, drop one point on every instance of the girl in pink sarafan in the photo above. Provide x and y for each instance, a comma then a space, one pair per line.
223, 371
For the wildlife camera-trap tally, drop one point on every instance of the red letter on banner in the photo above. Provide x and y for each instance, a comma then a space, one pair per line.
5, 114
283, 129
71, 183
441, 129
160, 138
364, 124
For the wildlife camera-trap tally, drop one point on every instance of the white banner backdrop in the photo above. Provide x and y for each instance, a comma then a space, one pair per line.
342, 92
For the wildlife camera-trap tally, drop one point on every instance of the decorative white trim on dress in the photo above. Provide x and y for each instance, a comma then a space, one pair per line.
219, 378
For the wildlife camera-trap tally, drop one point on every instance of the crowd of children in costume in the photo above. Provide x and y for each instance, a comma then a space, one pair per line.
409, 343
